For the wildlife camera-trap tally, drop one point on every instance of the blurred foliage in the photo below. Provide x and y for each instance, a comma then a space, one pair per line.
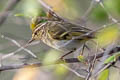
114, 73
61, 70
98, 14
113, 6
73, 10
51, 57
31, 8
104, 75
81, 58
27, 73
108, 35
2, 4
64, 7
112, 58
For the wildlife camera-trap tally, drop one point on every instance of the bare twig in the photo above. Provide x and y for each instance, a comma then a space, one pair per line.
14, 66
16, 43
108, 13
45, 5
60, 61
101, 64
88, 11
9, 7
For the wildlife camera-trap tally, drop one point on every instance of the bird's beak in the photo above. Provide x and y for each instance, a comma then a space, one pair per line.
31, 40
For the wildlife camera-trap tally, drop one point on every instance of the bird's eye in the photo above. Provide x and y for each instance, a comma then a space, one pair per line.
35, 33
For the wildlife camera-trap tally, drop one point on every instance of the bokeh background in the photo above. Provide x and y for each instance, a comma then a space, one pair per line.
87, 13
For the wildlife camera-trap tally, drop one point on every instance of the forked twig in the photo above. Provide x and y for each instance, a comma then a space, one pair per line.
14, 52
17, 44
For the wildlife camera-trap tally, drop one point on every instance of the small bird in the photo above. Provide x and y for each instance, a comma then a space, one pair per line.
59, 34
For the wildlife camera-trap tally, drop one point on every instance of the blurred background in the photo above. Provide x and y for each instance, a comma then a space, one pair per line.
87, 13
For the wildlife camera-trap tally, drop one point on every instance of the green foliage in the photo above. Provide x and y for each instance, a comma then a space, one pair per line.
98, 14
81, 58
112, 58
107, 35
51, 57
104, 75
60, 70
113, 6
32, 8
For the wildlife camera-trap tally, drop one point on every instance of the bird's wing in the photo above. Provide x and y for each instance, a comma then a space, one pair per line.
65, 31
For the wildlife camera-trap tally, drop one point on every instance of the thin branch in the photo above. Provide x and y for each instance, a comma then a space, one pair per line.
19, 49
60, 61
18, 66
88, 11
9, 7
16, 43
108, 13
45, 5
101, 64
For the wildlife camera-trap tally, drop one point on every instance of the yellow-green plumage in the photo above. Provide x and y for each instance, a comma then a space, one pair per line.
57, 33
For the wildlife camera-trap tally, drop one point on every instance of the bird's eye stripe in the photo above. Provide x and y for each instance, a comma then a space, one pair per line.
38, 28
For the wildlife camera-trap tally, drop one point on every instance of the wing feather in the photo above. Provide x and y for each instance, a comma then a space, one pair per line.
65, 31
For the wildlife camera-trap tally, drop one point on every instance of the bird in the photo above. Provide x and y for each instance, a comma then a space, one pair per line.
59, 34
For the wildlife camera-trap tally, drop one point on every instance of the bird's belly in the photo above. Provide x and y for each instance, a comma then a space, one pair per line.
66, 46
